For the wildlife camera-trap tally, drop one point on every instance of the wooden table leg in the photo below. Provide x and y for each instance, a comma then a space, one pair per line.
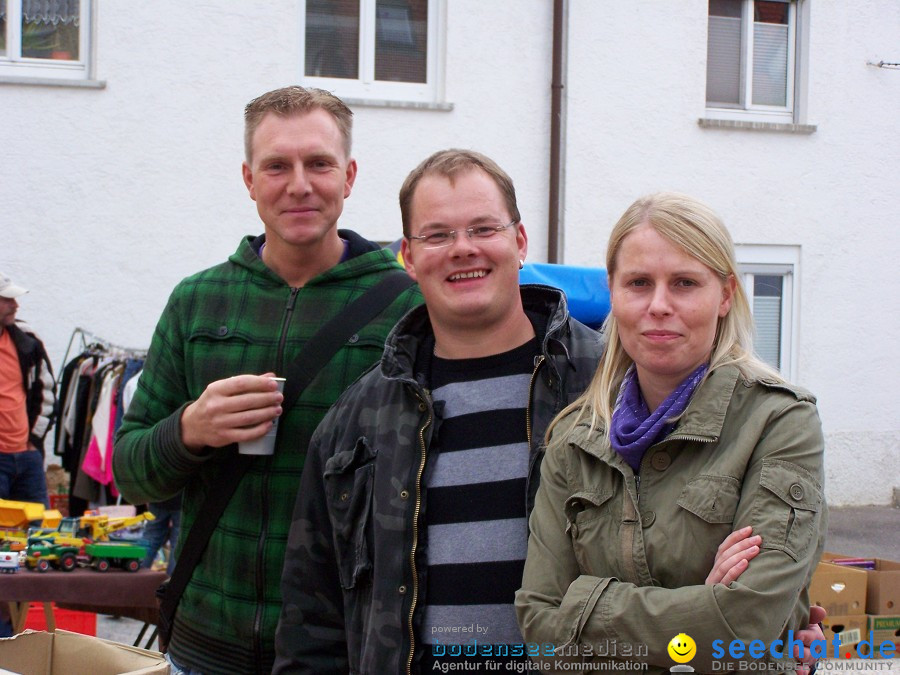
18, 612
49, 617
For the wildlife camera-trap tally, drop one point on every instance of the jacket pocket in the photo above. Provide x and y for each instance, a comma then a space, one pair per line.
786, 513
216, 350
218, 332
349, 478
713, 499
583, 511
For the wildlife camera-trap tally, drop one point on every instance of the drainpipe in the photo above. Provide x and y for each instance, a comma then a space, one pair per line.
557, 119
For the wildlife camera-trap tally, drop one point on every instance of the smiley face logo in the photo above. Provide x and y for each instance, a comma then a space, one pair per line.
682, 648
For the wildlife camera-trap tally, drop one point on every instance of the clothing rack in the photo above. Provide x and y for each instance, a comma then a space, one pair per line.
89, 338
84, 450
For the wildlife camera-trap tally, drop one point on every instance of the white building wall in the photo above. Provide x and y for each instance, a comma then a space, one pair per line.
637, 82
116, 194
113, 195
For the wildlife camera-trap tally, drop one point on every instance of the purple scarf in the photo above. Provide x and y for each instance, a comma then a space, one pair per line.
634, 429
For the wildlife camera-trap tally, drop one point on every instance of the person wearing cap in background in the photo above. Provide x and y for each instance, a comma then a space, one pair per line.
26, 410
26, 402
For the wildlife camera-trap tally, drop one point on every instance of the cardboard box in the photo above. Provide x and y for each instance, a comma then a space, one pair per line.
840, 590
851, 628
882, 629
882, 584
883, 588
64, 653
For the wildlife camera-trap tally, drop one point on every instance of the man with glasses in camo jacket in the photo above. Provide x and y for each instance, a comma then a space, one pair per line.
411, 525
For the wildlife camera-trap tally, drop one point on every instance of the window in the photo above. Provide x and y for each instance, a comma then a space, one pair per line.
44, 38
372, 49
769, 275
751, 59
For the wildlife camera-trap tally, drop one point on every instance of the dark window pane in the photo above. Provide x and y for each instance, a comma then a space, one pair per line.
332, 38
729, 8
766, 11
767, 285
401, 40
2, 27
50, 29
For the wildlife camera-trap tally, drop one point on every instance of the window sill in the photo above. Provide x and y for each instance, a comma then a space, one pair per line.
52, 82
778, 127
385, 103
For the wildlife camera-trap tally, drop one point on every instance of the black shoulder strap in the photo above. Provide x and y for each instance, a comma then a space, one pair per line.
318, 351
322, 346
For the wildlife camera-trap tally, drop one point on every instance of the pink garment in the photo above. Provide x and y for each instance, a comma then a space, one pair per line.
97, 463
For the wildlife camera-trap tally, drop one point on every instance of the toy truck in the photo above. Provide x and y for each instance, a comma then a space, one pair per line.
127, 555
44, 554
9, 562
17, 517
91, 526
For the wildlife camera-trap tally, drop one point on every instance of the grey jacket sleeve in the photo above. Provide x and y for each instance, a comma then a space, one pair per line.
48, 403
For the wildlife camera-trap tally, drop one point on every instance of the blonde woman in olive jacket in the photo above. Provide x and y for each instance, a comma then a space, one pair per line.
632, 506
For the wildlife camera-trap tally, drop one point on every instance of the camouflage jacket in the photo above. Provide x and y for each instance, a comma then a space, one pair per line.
352, 581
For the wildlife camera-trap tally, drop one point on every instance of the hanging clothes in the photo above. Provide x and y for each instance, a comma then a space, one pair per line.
90, 412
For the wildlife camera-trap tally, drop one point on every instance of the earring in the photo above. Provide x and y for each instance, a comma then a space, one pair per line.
521, 263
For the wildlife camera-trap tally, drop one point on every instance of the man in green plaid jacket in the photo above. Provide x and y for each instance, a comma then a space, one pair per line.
204, 386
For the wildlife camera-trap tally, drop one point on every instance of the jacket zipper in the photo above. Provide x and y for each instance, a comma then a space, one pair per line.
538, 362
415, 542
260, 577
264, 528
532, 457
288, 313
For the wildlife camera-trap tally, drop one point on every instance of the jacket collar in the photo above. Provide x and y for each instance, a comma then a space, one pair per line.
247, 256
412, 339
705, 414
702, 420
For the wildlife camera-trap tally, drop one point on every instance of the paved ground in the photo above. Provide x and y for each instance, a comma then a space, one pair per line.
865, 531
859, 531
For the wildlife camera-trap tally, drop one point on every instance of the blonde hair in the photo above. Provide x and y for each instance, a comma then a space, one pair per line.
694, 228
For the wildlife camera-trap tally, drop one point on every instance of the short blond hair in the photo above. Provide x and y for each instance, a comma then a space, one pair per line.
449, 164
296, 100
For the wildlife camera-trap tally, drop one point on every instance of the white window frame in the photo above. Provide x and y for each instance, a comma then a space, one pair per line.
783, 261
14, 65
746, 110
366, 87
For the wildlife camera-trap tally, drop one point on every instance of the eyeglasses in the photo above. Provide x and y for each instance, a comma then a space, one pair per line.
441, 238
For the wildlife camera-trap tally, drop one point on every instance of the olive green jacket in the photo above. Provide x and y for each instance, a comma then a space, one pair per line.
616, 565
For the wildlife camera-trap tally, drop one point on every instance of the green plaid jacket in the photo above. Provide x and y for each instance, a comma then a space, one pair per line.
240, 317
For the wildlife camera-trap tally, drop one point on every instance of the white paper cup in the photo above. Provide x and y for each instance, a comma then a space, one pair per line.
264, 445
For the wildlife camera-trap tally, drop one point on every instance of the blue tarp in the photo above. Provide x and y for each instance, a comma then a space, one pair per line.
585, 288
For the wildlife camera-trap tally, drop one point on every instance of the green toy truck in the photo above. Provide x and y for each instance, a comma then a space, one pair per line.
44, 554
102, 555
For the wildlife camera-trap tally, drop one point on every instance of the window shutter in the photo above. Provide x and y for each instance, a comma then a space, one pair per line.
770, 61
767, 317
723, 60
